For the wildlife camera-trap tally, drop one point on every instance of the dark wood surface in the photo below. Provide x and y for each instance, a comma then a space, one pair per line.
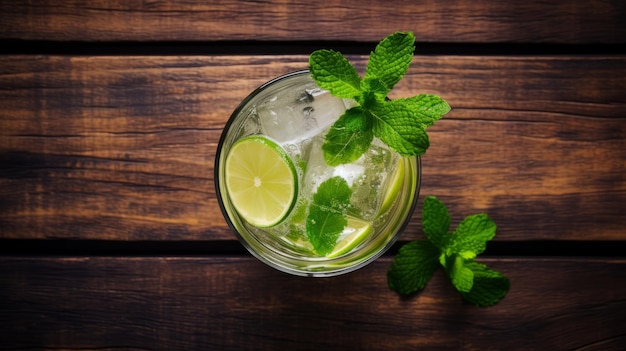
179, 303
458, 21
110, 231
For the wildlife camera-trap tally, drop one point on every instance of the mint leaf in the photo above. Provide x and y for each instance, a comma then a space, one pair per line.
332, 71
327, 214
389, 62
435, 221
374, 86
471, 236
413, 266
489, 286
461, 276
349, 137
395, 125
427, 108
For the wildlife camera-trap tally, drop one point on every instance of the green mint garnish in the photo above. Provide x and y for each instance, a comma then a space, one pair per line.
417, 261
489, 285
399, 123
349, 137
327, 214
413, 266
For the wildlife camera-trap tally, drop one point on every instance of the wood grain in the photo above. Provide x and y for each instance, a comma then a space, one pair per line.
122, 148
453, 21
238, 303
108, 133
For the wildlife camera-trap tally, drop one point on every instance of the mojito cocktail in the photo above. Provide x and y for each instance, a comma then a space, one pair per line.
288, 206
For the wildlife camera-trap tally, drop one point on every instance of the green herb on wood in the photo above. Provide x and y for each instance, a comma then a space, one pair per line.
417, 261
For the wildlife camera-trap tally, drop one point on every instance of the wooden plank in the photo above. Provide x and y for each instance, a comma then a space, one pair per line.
458, 21
122, 148
239, 303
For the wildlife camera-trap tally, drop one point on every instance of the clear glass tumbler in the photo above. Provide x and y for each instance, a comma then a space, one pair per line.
295, 113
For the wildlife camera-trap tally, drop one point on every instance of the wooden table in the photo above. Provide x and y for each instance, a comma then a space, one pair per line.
110, 232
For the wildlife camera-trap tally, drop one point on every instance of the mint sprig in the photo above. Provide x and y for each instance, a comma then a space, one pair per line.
399, 123
417, 261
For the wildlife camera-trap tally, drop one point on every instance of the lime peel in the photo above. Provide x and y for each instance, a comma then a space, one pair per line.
357, 231
393, 188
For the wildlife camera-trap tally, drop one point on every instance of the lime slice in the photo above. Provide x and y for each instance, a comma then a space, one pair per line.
261, 181
355, 232
393, 188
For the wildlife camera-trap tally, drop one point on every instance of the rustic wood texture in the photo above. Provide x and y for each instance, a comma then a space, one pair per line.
122, 148
460, 21
92, 303
110, 114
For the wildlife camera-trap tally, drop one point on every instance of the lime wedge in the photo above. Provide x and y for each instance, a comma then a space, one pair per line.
261, 181
393, 187
355, 232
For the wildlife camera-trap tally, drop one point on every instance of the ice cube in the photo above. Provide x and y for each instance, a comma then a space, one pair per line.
296, 115
316, 170
378, 163
367, 176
